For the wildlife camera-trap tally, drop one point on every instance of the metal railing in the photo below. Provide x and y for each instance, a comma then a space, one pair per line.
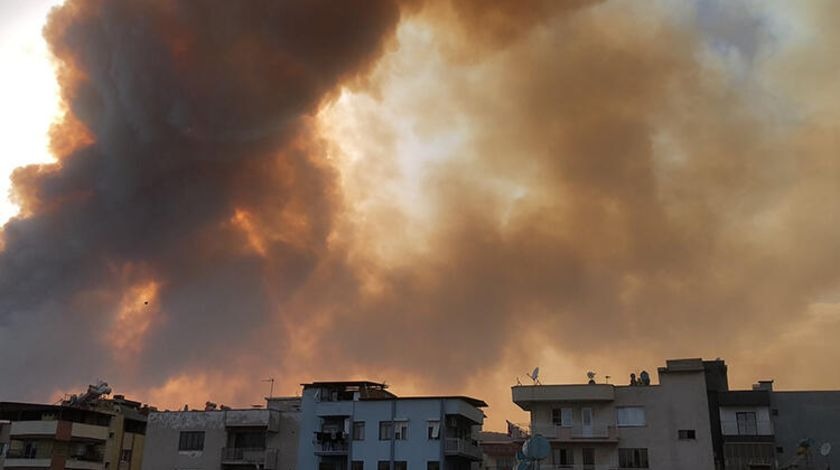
332, 447
247, 454
575, 432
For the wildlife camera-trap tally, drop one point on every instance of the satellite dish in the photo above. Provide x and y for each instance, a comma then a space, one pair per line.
536, 448
535, 375
825, 449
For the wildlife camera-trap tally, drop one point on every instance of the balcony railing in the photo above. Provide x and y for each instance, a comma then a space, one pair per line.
249, 455
466, 447
593, 433
763, 427
331, 447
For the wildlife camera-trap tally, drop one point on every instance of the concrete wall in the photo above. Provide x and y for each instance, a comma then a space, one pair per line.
807, 415
163, 433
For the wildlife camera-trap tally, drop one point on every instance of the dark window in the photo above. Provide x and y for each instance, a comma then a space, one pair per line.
386, 431
775, 412
359, 431
746, 423
588, 455
686, 434
357, 465
780, 450
383, 465
401, 465
633, 458
191, 440
433, 465
125, 455
249, 440
563, 456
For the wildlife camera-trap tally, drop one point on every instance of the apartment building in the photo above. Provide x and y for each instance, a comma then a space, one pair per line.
499, 449
94, 437
4, 440
359, 425
598, 426
223, 438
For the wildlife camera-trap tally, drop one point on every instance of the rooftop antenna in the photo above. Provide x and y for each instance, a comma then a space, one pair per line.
271, 389
591, 376
535, 376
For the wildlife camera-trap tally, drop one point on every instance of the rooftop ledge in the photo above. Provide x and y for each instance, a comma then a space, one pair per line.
525, 395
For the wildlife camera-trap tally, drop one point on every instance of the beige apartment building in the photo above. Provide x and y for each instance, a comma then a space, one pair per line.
599, 426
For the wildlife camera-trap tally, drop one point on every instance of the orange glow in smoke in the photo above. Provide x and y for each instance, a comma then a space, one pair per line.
138, 309
244, 221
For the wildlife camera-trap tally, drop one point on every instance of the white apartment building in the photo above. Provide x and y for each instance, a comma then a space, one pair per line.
361, 426
604, 426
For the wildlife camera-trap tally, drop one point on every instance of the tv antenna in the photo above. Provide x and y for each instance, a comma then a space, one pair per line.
535, 376
271, 389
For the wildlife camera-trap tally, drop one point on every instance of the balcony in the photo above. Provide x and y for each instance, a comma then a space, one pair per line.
525, 395
89, 432
265, 458
33, 428
252, 419
462, 447
577, 433
327, 448
13, 461
754, 430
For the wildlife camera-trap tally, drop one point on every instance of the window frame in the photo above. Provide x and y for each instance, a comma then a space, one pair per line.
738, 422
638, 457
358, 431
621, 411
191, 441
687, 434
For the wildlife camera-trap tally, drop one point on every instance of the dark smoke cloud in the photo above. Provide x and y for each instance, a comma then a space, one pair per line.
611, 194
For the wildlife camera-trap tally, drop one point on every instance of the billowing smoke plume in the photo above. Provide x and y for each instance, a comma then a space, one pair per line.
297, 191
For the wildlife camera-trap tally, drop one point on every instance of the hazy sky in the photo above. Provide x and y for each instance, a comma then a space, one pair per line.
439, 194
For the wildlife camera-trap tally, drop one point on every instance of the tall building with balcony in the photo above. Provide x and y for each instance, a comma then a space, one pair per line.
599, 426
97, 436
224, 438
360, 425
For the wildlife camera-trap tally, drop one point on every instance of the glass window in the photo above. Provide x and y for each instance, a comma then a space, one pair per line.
686, 434
433, 430
401, 431
357, 465
358, 430
383, 465
630, 416
563, 456
561, 416
747, 423
401, 465
588, 455
433, 465
191, 440
386, 430
633, 458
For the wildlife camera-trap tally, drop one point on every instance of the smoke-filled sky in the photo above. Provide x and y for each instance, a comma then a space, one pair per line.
440, 194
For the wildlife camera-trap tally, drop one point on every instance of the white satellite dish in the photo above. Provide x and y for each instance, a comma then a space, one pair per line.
825, 449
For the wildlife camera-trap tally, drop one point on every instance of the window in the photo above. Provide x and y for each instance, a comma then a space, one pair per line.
633, 458
386, 431
563, 456
433, 465
191, 440
686, 434
358, 430
747, 425
125, 455
398, 465
433, 430
357, 465
588, 455
780, 450
630, 416
561, 416
401, 431
249, 439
